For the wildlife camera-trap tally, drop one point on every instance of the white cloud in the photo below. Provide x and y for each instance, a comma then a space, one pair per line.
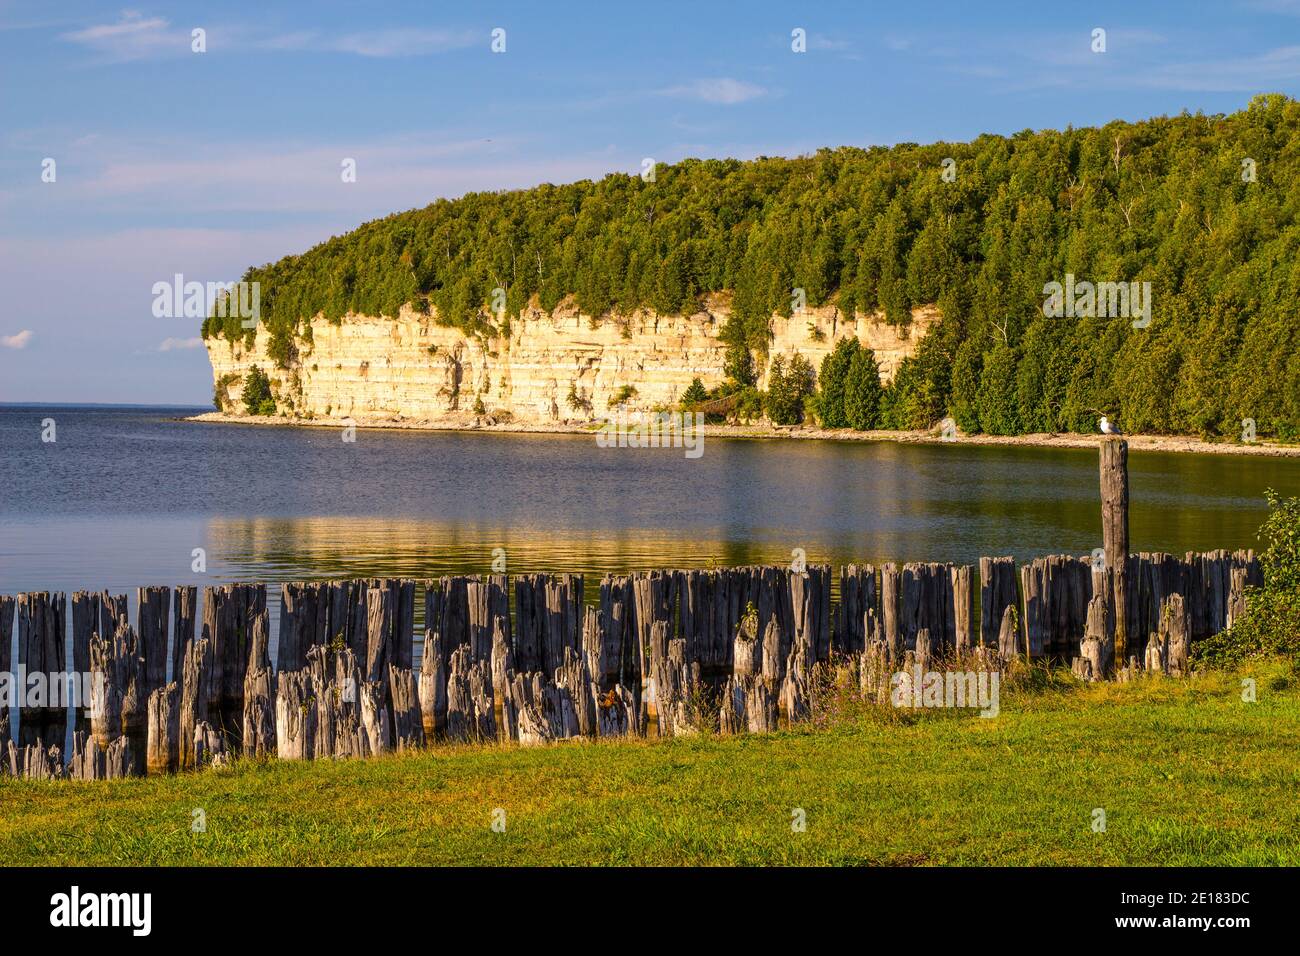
18, 340
390, 43
171, 345
820, 42
723, 91
227, 178
132, 37
1263, 71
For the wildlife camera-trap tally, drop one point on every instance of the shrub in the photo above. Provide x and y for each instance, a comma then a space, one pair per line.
219, 394
749, 405
575, 401
257, 393
622, 395
1271, 624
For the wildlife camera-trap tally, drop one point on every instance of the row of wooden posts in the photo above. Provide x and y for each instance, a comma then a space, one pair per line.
635, 659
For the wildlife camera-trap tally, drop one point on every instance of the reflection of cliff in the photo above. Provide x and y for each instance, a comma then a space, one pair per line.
303, 548
548, 367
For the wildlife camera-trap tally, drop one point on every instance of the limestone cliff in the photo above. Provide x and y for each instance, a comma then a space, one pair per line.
544, 368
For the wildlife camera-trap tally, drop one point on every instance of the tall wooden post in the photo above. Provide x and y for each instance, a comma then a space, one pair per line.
1114, 531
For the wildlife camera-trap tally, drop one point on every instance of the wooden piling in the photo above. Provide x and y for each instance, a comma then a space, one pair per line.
890, 582
433, 687
112, 612
196, 693
408, 728
162, 754
997, 593
7, 605
402, 651
184, 621
41, 650
118, 706
152, 607
1114, 529
857, 598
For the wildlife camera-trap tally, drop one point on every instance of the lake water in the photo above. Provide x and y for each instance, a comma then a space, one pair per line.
123, 496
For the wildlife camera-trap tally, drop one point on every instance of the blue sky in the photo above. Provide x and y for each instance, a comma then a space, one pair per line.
205, 163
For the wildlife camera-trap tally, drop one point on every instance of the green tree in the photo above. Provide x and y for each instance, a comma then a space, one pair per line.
738, 365
862, 391
999, 413
835, 369
694, 394
788, 385
876, 231
257, 393
965, 387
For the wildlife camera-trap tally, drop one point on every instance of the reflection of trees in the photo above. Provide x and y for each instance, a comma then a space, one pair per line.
346, 547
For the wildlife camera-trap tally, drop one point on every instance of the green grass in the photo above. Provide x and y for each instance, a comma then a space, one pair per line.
1186, 772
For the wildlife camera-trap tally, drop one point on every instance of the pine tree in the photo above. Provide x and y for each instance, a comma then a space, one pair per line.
835, 369
862, 391
257, 393
998, 412
694, 394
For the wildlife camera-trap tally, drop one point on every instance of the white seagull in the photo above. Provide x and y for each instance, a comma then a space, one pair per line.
1107, 428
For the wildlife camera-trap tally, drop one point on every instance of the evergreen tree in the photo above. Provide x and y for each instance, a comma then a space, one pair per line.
694, 394
788, 385
878, 233
257, 393
996, 400
835, 369
965, 386
862, 391
739, 366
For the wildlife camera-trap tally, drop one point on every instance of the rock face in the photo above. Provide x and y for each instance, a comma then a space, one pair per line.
544, 368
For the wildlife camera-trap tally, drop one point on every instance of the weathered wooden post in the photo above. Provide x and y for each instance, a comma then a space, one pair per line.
41, 650
6, 632
433, 687
152, 607
162, 736
183, 623
1114, 535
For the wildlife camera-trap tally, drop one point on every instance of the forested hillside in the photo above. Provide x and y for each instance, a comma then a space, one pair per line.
1202, 207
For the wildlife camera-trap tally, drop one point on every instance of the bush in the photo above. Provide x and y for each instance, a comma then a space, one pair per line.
257, 393
1271, 624
219, 395
622, 395
749, 405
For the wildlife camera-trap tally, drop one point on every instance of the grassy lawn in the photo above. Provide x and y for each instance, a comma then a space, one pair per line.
1186, 772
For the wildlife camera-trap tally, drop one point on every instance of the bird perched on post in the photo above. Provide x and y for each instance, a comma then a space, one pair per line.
1107, 428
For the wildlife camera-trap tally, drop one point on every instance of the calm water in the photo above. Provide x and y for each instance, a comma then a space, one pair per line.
123, 496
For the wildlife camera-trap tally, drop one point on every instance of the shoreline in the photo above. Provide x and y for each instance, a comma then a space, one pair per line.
1157, 443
